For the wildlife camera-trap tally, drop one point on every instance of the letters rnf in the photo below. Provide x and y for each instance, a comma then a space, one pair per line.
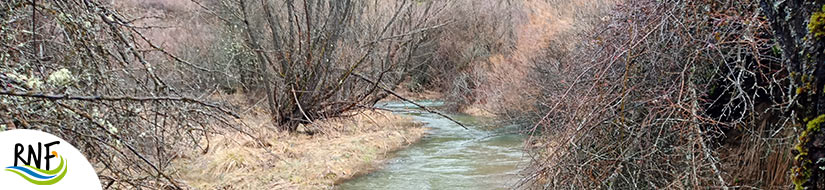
34, 157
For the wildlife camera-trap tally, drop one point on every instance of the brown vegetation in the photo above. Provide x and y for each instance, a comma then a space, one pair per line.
675, 94
458, 54
84, 71
307, 53
508, 90
132, 83
342, 148
615, 94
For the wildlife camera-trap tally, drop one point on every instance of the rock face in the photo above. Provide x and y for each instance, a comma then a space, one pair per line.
799, 28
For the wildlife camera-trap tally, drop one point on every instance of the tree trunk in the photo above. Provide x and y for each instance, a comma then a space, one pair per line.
799, 28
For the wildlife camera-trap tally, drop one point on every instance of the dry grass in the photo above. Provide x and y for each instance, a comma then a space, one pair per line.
758, 156
344, 149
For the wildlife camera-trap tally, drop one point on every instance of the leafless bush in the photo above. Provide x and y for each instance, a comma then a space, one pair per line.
673, 94
82, 70
454, 57
310, 56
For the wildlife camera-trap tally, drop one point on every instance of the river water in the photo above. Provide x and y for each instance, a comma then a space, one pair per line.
450, 157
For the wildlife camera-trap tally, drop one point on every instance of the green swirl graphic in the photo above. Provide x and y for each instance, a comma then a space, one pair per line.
63, 166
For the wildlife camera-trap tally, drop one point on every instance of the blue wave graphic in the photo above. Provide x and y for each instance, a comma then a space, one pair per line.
31, 173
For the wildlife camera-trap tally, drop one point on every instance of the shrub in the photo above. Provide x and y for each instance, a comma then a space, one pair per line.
105, 91
673, 94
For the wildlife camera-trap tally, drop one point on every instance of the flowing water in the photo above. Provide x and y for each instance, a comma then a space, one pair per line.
450, 157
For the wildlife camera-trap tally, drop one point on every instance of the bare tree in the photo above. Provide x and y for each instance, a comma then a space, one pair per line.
308, 51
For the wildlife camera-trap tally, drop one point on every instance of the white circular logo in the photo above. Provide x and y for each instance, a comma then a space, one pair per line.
31, 159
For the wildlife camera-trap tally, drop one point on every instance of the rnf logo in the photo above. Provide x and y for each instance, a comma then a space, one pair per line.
36, 160
37, 174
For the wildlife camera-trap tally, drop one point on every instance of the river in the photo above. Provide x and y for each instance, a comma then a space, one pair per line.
449, 156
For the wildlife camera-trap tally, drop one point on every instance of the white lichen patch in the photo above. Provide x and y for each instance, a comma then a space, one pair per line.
34, 83
61, 77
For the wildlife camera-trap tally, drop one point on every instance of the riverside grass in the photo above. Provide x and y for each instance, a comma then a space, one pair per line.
348, 147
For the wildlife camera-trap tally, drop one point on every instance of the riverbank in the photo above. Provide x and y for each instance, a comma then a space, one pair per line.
346, 147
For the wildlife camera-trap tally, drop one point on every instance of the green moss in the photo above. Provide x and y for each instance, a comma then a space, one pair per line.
814, 125
816, 25
802, 173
